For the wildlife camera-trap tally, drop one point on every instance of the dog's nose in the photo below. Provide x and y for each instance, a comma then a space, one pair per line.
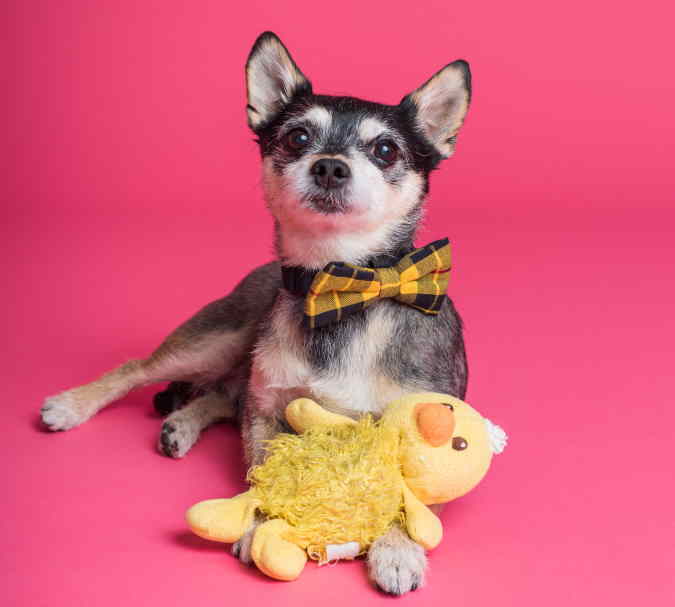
330, 173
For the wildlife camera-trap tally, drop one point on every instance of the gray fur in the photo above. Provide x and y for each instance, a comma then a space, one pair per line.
246, 355
426, 353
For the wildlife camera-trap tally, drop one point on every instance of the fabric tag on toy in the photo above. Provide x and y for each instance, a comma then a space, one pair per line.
348, 551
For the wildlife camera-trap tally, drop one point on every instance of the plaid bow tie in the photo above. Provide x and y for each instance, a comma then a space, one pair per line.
419, 279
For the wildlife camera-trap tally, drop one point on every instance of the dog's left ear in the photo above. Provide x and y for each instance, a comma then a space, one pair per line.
272, 79
440, 105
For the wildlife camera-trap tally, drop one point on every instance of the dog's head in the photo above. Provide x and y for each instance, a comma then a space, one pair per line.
344, 178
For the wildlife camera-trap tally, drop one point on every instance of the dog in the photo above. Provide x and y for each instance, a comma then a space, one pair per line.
345, 180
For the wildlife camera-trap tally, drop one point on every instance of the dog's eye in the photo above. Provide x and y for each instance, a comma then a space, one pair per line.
459, 443
298, 139
386, 151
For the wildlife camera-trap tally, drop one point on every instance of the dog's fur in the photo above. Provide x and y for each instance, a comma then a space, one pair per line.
246, 355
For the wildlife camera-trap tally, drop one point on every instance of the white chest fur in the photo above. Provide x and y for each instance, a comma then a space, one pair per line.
352, 384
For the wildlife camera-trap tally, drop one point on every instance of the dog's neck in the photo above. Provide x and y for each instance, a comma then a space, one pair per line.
297, 279
313, 250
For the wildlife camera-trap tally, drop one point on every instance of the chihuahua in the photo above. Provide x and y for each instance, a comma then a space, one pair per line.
345, 181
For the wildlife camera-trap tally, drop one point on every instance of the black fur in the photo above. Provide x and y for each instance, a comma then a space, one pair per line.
421, 156
174, 396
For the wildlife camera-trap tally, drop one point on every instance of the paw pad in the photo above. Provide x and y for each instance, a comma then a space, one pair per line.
168, 444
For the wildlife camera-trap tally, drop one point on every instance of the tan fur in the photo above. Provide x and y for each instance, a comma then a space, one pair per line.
442, 104
75, 406
176, 359
271, 79
182, 428
218, 338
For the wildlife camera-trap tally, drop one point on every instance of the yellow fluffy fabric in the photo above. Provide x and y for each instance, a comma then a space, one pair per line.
332, 484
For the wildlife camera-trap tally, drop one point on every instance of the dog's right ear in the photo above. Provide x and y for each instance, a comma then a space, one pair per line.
440, 105
272, 80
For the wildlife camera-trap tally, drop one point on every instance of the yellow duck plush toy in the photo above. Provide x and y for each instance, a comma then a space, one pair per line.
331, 490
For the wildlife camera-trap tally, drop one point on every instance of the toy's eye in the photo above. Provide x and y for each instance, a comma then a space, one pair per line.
298, 139
449, 406
386, 151
459, 443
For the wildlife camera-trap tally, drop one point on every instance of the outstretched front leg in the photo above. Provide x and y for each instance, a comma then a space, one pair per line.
202, 350
202, 358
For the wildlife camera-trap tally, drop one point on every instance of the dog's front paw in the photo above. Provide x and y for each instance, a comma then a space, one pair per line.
242, 548
179, 433
61, 412
397, 564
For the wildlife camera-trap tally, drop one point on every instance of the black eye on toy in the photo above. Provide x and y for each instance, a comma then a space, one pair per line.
386, 151
459, 443
298, 139
449, 406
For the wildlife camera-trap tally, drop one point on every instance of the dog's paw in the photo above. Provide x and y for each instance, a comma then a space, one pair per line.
61, 412
397, 564
241, 549
179, 433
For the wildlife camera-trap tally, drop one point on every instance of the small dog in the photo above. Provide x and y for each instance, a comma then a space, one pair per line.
345, 180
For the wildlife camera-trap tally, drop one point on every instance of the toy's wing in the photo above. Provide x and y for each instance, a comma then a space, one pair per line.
422, 524
304, 413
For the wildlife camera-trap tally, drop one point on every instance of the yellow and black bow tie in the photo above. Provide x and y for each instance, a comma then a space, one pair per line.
419, 279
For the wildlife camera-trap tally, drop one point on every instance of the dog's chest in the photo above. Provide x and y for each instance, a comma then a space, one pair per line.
343, 370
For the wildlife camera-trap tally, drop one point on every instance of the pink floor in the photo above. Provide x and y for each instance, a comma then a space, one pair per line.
126, 212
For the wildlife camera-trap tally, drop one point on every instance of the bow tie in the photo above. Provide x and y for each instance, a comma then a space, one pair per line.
419, 279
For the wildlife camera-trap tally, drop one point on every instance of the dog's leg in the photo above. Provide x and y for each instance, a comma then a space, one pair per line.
202, 350
256, 428
174, 396
182, 428
395, 563
73, 407
214, 353
255, 431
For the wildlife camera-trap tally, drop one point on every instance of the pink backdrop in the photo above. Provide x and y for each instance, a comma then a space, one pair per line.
131, 180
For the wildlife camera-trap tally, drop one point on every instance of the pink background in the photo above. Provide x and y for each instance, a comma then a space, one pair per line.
132, 182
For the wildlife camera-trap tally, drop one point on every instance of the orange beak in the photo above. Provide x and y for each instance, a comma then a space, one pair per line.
435, 422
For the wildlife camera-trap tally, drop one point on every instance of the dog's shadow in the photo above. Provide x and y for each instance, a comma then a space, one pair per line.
38, 425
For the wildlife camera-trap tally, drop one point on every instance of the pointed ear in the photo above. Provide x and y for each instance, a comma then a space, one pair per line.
272, 79
440, 105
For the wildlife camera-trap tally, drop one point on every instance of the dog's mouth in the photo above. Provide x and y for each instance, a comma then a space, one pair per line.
327, 203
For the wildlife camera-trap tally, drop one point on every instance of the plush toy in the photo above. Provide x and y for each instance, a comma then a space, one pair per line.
339, 484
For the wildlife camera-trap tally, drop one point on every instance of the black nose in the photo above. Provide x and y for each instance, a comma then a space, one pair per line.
330, 173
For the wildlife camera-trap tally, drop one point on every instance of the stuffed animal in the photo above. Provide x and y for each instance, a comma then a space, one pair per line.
331, 490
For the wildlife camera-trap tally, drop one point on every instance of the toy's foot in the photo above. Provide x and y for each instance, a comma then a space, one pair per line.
222, 520
396, 563
275, 556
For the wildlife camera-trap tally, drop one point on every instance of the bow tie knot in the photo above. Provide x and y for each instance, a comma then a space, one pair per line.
390, 282
419, 279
